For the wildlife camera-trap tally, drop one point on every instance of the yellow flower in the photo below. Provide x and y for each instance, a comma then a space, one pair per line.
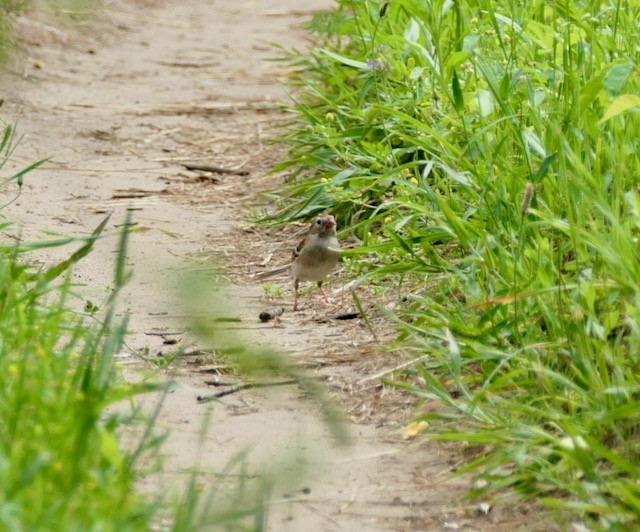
413, 181
474, 20
330, 117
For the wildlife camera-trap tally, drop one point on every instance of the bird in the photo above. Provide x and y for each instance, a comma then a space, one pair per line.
314, 257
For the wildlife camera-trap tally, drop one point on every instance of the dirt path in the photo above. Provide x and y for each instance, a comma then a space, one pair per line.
119, 110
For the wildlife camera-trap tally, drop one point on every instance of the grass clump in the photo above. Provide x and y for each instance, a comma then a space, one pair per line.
486, 158
74, 440
62, 466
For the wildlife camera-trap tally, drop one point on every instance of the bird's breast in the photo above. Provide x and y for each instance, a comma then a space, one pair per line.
316, 262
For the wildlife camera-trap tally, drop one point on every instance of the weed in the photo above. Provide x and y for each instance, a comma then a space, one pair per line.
485, 157
62, 466
272, 290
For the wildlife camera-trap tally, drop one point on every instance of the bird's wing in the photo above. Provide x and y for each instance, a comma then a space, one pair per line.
298, 249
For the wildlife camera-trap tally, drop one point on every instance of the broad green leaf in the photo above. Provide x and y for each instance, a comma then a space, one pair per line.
347, 61
416, 73
541, 34
544, 168
617, 76
620, 105
458, 100
458, 177
457, 58
412, 32
534, 143
485, 101
508, 22
591, 89
344, 174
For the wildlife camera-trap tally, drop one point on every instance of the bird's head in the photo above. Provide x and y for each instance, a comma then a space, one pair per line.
324, 225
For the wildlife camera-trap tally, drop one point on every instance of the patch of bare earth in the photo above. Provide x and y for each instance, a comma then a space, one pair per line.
133, 108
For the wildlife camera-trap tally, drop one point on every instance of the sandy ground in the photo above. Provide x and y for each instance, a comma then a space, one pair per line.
120, 104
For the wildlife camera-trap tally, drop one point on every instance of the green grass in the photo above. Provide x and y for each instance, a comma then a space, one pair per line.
485, 158
73, 440
71, 9
71, 452
61, 463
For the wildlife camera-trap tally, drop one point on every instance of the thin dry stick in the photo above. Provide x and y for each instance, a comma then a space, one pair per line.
187, 64
210, 108
215, 169
239, 387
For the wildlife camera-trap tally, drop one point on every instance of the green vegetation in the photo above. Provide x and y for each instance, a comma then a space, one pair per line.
73, 441
9, 8
61, 464
485, 156
272, 290
60, 6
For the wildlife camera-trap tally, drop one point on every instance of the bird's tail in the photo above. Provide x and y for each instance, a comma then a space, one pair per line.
272, 273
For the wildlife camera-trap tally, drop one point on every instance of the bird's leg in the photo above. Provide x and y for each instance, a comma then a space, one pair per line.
296, 284
322, 292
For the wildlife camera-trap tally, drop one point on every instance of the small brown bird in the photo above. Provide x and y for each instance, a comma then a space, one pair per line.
314, 257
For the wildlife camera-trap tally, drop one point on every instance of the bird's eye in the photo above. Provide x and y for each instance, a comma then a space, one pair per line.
318, 221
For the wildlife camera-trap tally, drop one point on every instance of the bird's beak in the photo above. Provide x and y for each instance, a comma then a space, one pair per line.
330, 223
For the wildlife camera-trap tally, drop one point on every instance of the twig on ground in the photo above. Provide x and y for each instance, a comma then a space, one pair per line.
239, 387
214, 169
136, 193
187, 64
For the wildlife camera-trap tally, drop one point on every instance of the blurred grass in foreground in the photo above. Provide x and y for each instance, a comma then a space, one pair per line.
485, 157
61, 464
71, 451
